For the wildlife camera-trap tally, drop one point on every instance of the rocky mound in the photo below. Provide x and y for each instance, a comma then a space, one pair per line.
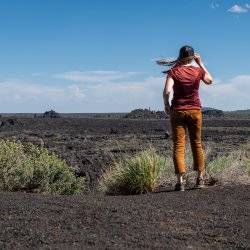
145, 114
151, 114
210, 112
51, 114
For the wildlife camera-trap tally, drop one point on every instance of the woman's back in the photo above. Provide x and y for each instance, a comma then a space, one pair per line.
186, 86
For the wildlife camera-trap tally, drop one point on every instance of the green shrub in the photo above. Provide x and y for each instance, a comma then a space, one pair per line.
136, 174
16, 170
34, 169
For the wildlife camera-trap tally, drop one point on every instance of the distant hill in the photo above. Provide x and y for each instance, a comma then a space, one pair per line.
151, 114
211, 112
137, 113
145, 114
238, 113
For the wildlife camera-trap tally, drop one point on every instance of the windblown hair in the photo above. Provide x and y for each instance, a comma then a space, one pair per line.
186, 54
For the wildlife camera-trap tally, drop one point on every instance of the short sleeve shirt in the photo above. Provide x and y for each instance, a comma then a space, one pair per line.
186, 87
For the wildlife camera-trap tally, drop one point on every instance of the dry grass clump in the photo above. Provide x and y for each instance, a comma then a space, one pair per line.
136, 174
228, 168
247, 158
33, 169
233, 168
145, 171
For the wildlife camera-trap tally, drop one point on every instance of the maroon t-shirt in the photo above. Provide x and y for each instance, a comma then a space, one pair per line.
186, 87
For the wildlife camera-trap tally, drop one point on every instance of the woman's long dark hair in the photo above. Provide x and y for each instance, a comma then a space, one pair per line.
186, 54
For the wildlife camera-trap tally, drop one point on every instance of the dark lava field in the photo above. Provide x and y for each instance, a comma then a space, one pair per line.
89, 144
213, 218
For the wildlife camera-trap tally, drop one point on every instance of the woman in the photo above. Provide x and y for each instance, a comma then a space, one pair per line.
185, 110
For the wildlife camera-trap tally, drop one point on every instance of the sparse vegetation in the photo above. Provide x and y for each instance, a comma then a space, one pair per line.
34, 169
146, 170
232, 168
220, 163
248, 166
136, 174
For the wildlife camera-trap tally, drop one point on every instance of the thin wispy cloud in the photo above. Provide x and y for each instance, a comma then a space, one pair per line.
22, 96
94, 76
81, 95
214, 5
35, 74
238, 9
109, 95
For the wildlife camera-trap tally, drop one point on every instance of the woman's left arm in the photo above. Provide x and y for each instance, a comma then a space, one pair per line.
166, 93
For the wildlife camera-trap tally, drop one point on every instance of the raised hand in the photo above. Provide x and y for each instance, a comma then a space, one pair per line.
197, 58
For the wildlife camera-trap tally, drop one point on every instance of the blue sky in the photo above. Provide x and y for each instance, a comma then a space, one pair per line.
97, 55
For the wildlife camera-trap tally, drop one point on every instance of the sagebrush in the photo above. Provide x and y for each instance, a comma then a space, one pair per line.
33, 169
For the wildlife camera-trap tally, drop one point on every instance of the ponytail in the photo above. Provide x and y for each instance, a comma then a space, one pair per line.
174, 63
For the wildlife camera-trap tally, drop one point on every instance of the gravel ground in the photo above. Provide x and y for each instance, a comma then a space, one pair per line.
214, 218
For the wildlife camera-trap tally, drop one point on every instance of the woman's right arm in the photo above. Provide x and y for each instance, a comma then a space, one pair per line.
207, 78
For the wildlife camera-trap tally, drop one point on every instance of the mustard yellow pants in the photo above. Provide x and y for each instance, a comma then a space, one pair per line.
191, 121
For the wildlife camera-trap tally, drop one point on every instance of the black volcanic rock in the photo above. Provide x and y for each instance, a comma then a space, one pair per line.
11, 121
8, 122
113, 131
145, 114
51, 114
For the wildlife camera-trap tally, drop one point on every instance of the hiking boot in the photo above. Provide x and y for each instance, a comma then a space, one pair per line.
179, 187
199, 183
